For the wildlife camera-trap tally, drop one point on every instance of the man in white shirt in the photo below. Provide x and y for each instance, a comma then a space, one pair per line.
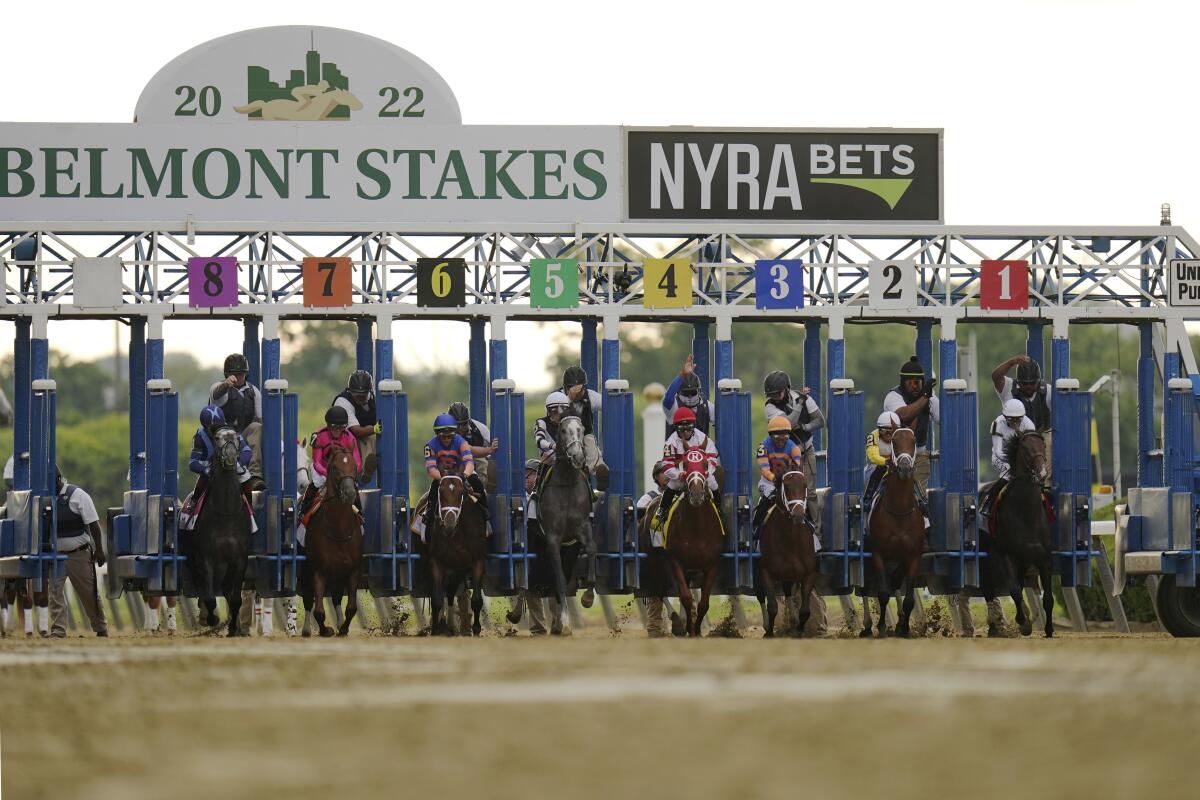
1033, 393
80, 540
915, 403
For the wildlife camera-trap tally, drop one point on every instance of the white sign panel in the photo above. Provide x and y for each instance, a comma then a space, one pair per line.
1183, 282
893, 284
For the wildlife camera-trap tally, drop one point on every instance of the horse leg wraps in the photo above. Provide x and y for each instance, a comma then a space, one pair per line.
268, 616
43, 620
27, 613
171, 622
151, 619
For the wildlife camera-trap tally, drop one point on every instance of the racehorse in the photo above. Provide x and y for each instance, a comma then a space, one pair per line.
333, 546
896, 534
217, 549
789, 555
694, 539
564, 503
1023, 536
456, 547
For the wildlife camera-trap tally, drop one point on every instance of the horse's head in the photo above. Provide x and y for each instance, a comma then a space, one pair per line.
793, 494
343, 474
695, 471
450, 500
570, 440
225, 443
344, 98
904, 453
1031, 460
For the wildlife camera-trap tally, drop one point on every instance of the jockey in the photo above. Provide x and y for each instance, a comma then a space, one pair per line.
212, 419
362, 417
545, 429
879, 452
241, 402
1033, 393
684, 392
1010, 423
447, 453
802, 412
481, 441
683, 439
777, 454
583, 400
334, 434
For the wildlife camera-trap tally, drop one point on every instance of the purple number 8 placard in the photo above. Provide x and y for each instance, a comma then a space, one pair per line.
212, 282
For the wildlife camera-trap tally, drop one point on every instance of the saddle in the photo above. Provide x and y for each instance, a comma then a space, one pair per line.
666, 526
994, 514
877, 498
189, 512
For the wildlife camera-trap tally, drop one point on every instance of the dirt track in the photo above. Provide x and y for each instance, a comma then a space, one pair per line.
593, 716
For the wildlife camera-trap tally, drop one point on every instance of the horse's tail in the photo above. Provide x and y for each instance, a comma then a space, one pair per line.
250, 108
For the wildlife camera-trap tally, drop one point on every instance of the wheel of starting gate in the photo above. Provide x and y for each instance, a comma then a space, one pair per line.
1178, 607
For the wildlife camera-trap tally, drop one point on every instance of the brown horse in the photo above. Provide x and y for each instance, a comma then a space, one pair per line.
896, 534
694, 538
789, 555
456, 546
334, 546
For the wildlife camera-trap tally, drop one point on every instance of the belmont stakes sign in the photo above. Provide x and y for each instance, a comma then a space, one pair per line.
318, 125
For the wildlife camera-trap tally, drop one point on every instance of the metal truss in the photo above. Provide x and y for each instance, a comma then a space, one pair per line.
1099, 273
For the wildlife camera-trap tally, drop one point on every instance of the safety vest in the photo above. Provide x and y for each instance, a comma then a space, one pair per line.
920, 425
366, 416
1036, 407
582, 408
69, 523
239, 407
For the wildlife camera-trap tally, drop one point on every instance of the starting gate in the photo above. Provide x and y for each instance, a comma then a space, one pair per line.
387, 542
842, 558
736, 448
28, 532
616, 520
952, 562
274, 564
508, 562
1071, 416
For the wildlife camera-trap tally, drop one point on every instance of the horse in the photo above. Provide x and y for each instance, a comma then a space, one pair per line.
896, 534
1023, 536
217, 550
333, 546
694, 539
456, 546
564, 503
315, 102
789, 555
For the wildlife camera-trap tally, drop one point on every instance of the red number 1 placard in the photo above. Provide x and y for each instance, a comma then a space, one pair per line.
1004, 285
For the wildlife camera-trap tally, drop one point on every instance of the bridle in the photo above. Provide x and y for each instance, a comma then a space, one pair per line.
905, 462
788, 503
444, 510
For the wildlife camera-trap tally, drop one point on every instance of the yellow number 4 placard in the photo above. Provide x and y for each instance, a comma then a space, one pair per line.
667, 283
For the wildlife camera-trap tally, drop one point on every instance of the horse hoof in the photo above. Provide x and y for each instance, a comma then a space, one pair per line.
476, 630
212, 620
342, 633
326, 632
1049, 633
306, 633
768, 634
1026, 628
513, 618
588, 599
865, 633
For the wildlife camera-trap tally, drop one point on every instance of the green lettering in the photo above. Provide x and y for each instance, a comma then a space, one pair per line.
21, 170
414, 171
154, 180
259, 160
493, 175
54, 170
373, 173
454, 163
96, 174
233, 173
541, 172
318, 171
590, 174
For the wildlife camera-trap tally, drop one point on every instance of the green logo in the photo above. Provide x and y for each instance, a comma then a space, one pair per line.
889, 190
318, 92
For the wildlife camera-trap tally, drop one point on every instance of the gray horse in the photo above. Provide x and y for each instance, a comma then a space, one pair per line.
563, 507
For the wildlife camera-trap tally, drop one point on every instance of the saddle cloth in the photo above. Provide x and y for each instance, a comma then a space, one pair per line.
671, 515
1051, 517
189, 513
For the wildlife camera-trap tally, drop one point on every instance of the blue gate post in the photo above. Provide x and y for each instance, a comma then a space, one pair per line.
383, 350
615, 526
1071, 416
701, 354
500, 568
155, 355
842, 557
589, 356
42, 525
610, 356
364, 348
270, 348
813, 380
734, 445
923, 346
22, 397
1060, 350
252, 350
722, 353
1034, 347
497, 356
477, 369
290, 556
388, 546
1180, 550
268, 566
1150, 464
160, 550
953, 561
137, 403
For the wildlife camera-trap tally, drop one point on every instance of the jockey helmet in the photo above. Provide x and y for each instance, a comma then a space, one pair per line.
1029, 372
574, 376
776, 382
912, 369
359, 382
337, 415
689, 387
444, 422
888, 419
532, 465
779, 424
657, 469
212, 417
557, 399
684, 416
1014, 409
235, 364
460, 412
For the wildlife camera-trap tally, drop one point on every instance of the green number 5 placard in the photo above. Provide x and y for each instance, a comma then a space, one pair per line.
554, 282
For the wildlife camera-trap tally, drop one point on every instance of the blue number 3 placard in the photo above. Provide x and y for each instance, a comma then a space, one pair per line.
779, 283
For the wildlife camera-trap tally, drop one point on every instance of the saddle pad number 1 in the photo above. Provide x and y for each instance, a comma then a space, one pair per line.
212, 282
327, 282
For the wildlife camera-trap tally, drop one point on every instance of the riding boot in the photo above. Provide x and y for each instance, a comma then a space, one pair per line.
481, 495
664, 505
760, 514
431, 506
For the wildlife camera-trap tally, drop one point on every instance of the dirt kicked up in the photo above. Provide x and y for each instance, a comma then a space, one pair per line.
1082, 715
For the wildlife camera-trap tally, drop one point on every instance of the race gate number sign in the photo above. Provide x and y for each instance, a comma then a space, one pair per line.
1184, 282
327, 282
1004, 285
667, 283
892, 284
441, 282
779, 284
212, 282
554, 283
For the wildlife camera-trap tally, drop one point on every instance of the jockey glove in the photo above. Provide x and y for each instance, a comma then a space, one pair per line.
929, 384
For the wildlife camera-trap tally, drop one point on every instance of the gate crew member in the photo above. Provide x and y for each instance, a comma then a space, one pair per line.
482, 446
362, 418
685, 392
1031, 390
583, 401
242, 404
879, 453
683, 439
915, 403
78, 528
656, 625
802, 413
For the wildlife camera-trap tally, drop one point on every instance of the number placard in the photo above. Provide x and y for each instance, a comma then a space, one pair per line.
779, 283
212, 282
442, 282
667, 283
893, 284
1004, 285
554, 282
327, 282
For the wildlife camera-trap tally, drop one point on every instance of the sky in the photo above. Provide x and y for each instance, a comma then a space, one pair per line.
1055, 112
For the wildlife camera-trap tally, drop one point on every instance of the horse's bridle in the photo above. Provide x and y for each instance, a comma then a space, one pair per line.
1029, 471
227, 446
906, 461
789, 504
444, 510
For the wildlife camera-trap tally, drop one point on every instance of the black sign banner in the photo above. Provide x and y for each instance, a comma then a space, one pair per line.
877, 175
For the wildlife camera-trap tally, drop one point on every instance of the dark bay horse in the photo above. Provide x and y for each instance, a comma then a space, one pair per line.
694, 539
789, 555
1023, 536
334, 546
217, 550
896, 534
456, 547
564, 503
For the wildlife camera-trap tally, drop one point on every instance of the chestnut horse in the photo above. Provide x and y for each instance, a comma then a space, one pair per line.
896, 534
334, 546
789, 555
694, 539
456, 547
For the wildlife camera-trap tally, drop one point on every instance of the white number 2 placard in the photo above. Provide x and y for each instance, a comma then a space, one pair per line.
893, 284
